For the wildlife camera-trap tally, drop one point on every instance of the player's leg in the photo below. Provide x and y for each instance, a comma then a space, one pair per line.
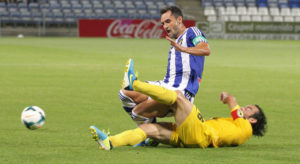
161, 95
161, 132
175, 99
128, 137
157, 93
130, 99
190, 130
182, 109
135, 96
143, 112
188, 119
151, 109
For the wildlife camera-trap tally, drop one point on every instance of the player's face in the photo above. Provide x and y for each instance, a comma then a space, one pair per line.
249, 110
170, 24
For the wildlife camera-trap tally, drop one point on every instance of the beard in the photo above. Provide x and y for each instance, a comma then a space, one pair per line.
174, 36
176, 32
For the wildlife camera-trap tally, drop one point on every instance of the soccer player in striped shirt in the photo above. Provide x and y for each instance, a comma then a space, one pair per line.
184, 71
190, 130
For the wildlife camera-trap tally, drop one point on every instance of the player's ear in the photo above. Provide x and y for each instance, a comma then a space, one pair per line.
252, 120
179, 19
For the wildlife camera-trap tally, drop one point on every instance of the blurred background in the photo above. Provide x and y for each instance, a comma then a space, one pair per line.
225, 19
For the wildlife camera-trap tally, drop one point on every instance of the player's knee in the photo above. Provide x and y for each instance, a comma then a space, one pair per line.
137, 111
151, 130
126, 100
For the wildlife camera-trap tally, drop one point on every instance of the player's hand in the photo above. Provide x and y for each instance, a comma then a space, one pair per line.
226, 97
175, 45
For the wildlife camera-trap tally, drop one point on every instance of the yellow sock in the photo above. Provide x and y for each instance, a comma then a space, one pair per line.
157, 93
128, 137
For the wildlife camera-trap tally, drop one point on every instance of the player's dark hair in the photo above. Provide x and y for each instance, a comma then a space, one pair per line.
260, 127
174, 10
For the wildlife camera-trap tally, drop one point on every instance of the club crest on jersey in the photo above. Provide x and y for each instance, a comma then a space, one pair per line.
237, 113
180, 41
240, 113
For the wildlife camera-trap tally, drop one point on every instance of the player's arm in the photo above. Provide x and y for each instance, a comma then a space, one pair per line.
201, 48
242, 129
228, 99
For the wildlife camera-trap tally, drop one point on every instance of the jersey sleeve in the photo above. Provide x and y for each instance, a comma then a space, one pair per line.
196, 36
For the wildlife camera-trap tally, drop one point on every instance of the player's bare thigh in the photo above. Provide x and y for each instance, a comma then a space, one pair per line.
150, 108
135, 96
146, 107
182, 108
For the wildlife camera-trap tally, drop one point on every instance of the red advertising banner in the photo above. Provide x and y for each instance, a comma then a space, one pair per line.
124, 28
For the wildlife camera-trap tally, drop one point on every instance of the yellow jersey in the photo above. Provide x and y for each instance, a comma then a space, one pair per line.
217, 132
229, 131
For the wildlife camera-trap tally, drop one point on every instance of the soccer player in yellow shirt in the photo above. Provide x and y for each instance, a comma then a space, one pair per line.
190, 130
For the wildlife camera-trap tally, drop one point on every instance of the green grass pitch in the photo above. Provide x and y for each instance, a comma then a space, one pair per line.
76, 81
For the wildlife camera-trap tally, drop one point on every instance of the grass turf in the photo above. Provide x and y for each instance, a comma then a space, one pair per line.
76, 82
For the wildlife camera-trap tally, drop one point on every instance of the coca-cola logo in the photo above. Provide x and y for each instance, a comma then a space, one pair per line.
135, 28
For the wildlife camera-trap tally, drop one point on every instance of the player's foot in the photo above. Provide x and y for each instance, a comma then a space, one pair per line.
129, 71
147, 142
151, 142
125, 82
101, 138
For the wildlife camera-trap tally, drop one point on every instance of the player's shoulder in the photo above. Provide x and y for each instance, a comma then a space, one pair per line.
194, 30
242, 122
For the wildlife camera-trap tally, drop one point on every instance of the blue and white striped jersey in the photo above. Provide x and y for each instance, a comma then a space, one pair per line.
184, 69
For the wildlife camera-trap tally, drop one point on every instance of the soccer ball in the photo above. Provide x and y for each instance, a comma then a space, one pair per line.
33, 117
